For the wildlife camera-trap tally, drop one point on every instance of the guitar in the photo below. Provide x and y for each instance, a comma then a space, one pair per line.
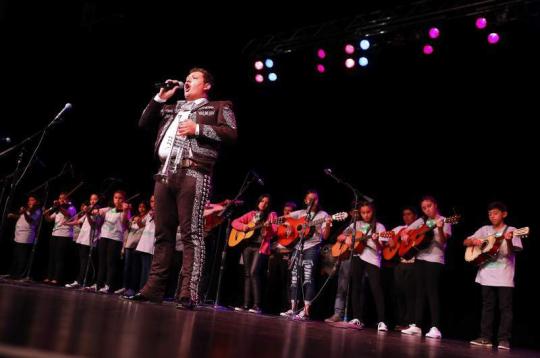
236, 236
490, 247
392, 247
418, 240
212, 215
342, 249
289, 233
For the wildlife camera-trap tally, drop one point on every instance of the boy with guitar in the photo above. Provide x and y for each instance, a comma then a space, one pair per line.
428, 267
366, 259
256, 250
311, 243
496, 277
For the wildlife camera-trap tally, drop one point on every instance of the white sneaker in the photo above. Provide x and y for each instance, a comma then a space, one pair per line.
302, 316
104, 289
434, 333
92, 288
412, 330
240, 309
381, 327
75, 284
355, 322
120, 291
289, 313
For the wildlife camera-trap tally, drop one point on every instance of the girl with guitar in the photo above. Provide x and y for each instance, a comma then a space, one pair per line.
367, 259
310, 255
496, 277
256, 250
428, 266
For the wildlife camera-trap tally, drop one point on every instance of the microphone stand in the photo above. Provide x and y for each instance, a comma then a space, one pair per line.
227, 213
354, 218
19, 173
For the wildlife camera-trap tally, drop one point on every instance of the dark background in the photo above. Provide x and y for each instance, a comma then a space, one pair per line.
457, 125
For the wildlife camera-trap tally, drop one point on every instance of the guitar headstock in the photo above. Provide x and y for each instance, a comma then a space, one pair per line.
523, 232
340, 216
454, 219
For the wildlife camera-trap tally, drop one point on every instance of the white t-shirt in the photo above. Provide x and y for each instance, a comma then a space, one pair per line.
316, 238
63, 230
148, 237
25, 233
112, 228
435, 251
371, 254
498, 273
86, 230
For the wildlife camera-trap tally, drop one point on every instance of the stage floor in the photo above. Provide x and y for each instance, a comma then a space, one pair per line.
42, 321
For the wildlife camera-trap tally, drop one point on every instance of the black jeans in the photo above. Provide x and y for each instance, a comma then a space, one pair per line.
109, 261
490, 295
58, 246
21, 254
254, 267
405, 290
278, 282
132, 269
84, 251
358, 269
428, 276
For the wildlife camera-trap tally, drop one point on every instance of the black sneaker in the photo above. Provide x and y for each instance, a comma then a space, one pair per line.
504, 345
481, 342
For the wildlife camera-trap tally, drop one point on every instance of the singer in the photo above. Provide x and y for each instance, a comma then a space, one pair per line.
188, 143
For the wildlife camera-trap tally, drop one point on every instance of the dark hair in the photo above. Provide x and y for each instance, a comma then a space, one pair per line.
266, 211
429, 198
123, 193
372, 207
497, 205
35, 198
290, 204
208, 78
411, 209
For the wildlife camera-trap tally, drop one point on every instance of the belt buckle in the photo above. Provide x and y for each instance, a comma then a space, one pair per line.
186, 163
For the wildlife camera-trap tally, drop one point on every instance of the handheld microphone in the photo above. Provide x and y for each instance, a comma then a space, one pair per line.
168, 85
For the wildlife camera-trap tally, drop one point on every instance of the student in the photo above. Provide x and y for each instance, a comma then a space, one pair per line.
496, 277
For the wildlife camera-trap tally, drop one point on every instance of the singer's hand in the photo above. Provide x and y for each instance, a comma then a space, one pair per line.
166, 94
187, 128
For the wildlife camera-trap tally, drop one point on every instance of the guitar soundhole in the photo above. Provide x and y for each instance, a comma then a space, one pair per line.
484, 244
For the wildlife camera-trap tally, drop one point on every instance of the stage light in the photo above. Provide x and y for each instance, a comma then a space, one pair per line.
434, 33
364, 44
363, 61
493, 38
269, 63
428, 49
481, 23
272, 77
259, 65
321, 53
321, 68
259, 78
349, 49
349, 63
